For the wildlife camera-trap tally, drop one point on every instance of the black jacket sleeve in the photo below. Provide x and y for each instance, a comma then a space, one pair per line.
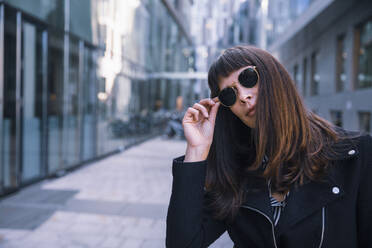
189, 222
364, 208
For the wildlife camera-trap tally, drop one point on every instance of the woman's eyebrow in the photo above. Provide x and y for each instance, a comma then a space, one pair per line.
232, 84
229, 85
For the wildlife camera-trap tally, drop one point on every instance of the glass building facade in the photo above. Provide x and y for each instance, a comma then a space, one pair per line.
76, 84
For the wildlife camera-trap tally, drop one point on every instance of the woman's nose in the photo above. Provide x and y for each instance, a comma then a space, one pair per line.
246, 97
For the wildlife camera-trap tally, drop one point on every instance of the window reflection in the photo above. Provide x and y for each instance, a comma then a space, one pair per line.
340, 64
9, 113
364, 49
336, 117
365, 121
304, 77
89, 101
296, 75
55, 100
314, 90
51, 11
70, 120
31, 92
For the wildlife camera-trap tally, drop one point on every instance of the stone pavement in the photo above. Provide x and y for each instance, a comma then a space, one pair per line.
120, 201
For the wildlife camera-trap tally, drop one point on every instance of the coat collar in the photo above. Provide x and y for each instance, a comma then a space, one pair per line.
306, 199
257, 196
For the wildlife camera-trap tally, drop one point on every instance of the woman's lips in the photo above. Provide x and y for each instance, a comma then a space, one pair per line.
251, 112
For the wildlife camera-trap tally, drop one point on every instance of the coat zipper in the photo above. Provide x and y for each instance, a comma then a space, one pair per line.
272, 224
323, 225
267, 217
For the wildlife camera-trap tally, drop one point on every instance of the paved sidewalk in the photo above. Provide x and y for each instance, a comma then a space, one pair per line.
120, 201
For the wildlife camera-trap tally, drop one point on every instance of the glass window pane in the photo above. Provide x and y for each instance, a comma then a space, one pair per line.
314, 90
9, 112
365, 121
336, 117
365, 56
51, 11
89, 101
304, 77
341, 64
81, 19
296, 75
32, 107
55, 100
71, 134
102, 116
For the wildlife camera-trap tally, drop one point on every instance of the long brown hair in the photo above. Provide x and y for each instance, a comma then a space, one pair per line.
296, 141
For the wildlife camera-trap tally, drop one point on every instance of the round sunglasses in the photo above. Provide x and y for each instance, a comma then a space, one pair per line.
248, 78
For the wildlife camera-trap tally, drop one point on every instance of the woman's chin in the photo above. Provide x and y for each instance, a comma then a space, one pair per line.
249, 121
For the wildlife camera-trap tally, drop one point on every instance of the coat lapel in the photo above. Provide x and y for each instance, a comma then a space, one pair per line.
257, 196
304, 200
307, 199
313, 196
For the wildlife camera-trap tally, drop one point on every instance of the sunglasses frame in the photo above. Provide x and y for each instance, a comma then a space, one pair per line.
236, 96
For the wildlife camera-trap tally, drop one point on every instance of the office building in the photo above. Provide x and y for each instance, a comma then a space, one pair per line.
327, 48
77, 80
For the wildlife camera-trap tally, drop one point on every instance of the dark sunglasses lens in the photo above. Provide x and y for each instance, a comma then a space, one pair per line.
227, 97
248, 78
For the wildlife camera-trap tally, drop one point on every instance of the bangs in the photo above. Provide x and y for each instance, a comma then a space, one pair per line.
228, 62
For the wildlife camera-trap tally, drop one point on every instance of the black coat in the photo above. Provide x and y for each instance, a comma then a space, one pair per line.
336, 213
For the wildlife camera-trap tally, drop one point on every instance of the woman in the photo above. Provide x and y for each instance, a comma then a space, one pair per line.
265, 169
